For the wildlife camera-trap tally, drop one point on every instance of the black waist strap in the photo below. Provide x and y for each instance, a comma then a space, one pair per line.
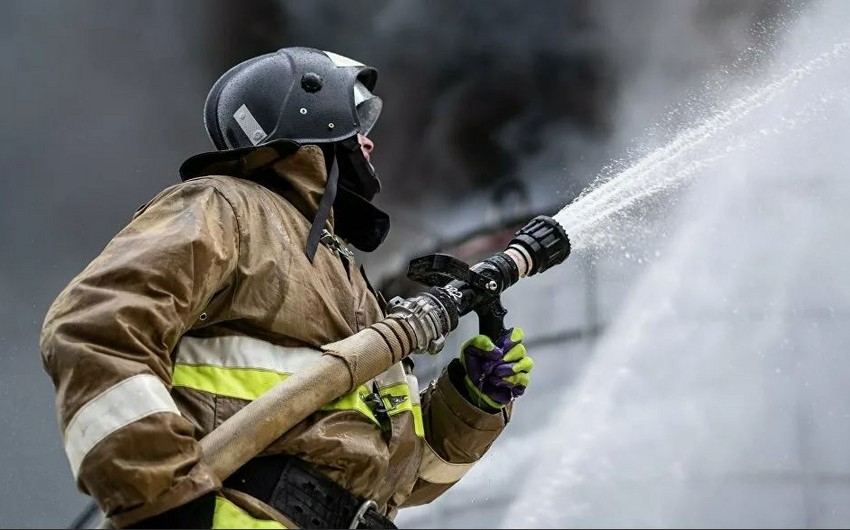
304, 495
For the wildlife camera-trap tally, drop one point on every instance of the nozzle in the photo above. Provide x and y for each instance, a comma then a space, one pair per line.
539, 245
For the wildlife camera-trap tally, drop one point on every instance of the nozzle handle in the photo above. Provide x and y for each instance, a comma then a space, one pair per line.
491, 318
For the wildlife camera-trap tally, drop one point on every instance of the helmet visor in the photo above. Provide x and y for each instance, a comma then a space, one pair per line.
368, 107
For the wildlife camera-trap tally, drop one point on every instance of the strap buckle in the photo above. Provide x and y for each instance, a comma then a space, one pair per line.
375, 403
383, 404
335, 244
361, 511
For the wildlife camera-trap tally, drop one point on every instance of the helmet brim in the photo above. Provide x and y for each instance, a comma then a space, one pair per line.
204, 164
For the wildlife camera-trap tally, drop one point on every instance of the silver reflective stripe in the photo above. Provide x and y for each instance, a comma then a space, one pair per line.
236, 351
437, 471
413, 384
252, 129
391, 377
120, 405
340, 60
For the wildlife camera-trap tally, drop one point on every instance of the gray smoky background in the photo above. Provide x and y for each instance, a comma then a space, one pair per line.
482, 100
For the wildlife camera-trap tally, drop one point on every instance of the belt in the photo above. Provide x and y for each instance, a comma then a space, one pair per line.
302, 494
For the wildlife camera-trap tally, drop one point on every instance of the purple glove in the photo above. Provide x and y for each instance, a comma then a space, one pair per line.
496, 373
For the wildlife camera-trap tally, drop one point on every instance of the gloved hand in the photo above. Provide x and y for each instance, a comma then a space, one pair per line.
495, 373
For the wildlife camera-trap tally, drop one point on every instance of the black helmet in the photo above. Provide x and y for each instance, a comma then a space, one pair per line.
307, 96
301, 94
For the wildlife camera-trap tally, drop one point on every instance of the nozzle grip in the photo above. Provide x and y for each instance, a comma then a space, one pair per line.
491, 318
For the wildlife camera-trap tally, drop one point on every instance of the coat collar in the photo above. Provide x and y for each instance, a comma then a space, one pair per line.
296, 172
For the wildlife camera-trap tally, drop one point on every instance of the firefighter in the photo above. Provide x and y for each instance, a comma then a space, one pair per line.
227, 283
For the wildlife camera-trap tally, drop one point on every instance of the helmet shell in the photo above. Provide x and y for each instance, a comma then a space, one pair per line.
300, 94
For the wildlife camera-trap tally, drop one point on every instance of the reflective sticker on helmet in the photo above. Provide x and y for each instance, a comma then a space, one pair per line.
249, 125
368, 107
361, 93
339, 60
368, 112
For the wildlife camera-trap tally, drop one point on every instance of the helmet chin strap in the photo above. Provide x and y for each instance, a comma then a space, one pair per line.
324, 209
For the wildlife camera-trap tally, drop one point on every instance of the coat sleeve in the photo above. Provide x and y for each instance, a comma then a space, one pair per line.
457, 434
107, 340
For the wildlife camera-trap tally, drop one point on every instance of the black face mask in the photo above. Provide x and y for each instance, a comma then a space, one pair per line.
358, 221
355, 171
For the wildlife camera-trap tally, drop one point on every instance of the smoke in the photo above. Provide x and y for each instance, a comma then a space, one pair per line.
474, 92
470, 89
535, 97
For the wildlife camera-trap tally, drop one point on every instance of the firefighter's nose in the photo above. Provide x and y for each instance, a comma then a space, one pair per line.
366, 145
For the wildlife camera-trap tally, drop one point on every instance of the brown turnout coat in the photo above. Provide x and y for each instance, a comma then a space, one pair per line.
151, 347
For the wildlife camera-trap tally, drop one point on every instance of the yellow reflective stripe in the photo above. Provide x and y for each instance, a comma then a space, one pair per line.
354, 401
228, 515
242, 383
398, 390
250, 384
418, 426
395, 406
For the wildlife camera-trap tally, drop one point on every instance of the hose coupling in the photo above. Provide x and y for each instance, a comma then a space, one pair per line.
426, 318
